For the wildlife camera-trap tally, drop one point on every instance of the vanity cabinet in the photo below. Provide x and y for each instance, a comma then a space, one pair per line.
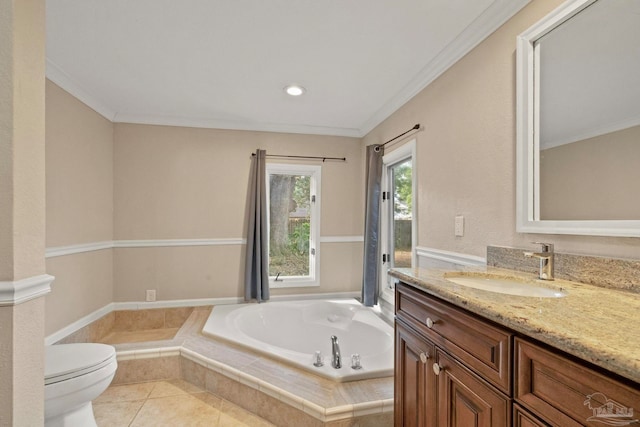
453, 368
565, 392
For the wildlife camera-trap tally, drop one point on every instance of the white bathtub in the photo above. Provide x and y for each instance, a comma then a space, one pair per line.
293, 331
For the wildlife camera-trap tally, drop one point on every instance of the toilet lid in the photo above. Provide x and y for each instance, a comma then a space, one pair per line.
65, 361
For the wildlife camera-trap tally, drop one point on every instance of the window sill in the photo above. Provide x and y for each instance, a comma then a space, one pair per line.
293, 283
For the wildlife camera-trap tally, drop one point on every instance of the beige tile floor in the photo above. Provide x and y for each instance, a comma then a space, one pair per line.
168, 403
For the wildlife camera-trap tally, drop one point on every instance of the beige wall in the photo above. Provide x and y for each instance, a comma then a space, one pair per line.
596, 178
22, 200
185, 183
466, 154
79, 156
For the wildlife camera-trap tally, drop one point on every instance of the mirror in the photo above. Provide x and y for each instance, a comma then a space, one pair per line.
578, 118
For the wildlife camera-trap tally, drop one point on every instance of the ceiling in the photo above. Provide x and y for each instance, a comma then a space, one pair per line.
224, 63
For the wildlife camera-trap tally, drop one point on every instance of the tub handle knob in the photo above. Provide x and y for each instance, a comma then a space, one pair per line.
424, 357
430, 322
318, 359
437, 369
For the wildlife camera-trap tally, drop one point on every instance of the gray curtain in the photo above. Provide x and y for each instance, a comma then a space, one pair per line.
372, 226
256, 271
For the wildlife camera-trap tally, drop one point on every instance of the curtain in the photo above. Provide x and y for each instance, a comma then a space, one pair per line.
256, 272
372, 226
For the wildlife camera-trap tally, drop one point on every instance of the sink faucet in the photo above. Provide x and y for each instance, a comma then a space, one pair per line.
335, 353
546, 260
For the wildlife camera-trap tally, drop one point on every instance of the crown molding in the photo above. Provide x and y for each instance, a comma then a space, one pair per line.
66, 82
491, 19
19, 291
211, 123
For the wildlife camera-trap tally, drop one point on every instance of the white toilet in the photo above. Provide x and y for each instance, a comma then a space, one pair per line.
74, 375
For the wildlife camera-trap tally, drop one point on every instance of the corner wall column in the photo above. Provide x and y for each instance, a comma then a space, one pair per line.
22, 212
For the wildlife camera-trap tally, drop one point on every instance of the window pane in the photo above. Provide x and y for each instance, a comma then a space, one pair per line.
401, 175
289, 226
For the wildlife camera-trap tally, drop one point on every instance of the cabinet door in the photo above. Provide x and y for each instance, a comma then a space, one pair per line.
415, 385
521, 418
464, 400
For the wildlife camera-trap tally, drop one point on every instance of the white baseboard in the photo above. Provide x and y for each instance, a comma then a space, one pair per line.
143, 305
78, 324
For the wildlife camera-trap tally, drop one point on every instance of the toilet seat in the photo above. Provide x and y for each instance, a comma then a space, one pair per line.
63, 362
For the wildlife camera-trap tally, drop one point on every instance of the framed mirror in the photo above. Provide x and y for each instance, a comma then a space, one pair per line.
578, 120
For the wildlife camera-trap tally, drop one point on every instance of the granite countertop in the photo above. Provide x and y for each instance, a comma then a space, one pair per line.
596, 324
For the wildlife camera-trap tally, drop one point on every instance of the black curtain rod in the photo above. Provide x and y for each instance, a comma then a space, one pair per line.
415, 127
342, 159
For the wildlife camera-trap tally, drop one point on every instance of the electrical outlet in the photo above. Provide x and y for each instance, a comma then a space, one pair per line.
459, 226
151, 295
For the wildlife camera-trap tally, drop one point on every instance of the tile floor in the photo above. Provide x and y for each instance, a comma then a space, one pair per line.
172, 403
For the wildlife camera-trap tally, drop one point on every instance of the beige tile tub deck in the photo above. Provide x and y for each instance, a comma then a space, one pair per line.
255, 384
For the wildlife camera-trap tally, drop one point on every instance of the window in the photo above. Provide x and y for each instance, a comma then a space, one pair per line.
293, 199
398, 225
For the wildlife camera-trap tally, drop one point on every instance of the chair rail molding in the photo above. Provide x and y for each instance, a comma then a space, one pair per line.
19, 291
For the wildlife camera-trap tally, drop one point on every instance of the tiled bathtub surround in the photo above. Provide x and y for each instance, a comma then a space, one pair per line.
272, 390
604, 272
123, 326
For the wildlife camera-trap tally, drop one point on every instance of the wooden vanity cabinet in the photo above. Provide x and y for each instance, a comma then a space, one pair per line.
415, 381
565, 392
438, 351
454, 368
522, 418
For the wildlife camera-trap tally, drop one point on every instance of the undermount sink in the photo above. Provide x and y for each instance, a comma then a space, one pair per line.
505, 285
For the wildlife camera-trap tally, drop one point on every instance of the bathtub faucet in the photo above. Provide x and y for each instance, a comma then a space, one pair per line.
335, 353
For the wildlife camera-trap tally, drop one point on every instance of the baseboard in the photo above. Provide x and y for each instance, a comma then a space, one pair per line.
78, 324
143, 305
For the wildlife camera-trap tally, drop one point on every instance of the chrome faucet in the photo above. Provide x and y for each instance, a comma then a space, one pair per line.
546, 260
335, 353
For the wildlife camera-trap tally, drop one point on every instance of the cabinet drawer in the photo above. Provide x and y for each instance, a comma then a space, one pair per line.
565, 393
481, 346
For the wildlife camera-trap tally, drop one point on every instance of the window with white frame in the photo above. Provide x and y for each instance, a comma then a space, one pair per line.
398, 214
293, 199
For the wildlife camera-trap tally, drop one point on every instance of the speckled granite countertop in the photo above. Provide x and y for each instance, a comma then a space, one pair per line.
595, 324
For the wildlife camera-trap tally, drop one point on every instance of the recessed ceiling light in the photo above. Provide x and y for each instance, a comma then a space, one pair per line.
295, 90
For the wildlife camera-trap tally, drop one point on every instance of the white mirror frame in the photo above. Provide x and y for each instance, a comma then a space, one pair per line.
527, 145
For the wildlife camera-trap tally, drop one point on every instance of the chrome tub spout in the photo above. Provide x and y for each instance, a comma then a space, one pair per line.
335, 353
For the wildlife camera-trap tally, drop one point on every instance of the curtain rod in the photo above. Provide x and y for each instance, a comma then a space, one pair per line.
415, 127
342, 159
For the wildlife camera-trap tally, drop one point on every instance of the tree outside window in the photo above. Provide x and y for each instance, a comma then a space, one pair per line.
293, 224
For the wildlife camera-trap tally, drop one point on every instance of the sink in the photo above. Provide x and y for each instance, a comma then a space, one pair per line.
505, 285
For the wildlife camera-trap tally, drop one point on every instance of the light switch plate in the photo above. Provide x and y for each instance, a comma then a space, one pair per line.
459, 226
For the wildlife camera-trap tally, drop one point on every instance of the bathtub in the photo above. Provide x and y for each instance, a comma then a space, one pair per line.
293, 331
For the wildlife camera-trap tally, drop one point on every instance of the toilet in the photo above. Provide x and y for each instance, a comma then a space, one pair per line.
74, 375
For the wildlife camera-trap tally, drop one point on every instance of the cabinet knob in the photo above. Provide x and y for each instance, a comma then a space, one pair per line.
424, 357
430, 322
437, 369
